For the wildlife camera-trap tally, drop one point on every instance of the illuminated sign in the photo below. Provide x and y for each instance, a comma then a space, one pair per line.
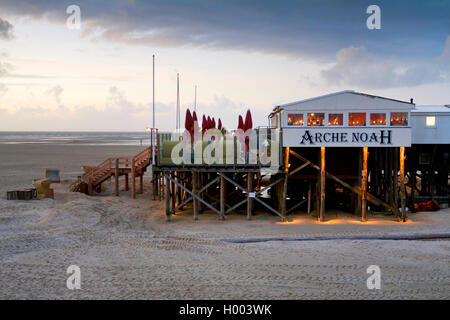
347, 137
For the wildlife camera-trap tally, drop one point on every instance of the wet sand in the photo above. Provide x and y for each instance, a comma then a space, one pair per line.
126, 250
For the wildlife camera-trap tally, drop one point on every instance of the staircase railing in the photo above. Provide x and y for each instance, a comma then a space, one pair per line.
140, 160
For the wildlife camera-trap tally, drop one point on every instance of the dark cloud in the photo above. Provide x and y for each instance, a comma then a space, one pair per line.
6, 29
313, 29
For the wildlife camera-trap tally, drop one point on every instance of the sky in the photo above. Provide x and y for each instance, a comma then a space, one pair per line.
240, 54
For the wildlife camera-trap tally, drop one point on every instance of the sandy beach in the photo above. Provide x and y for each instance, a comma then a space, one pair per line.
126, 250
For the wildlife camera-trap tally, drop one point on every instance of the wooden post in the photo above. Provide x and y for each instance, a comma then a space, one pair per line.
194, 190
154, 187
116, 176
126, 182
395, 176
173, 189
222, 198
133, 178
141, 183
322, 184
364, 186
309, 199
402, 183
249, 198
167, 199
360, 169
285, 183
283, 197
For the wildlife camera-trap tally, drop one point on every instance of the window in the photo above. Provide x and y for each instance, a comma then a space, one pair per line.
357, 119
378, 119
399, 118
335, 119
295, 119
431, 121
316, 119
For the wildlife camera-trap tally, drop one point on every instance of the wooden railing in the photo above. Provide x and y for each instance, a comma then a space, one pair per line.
138, 161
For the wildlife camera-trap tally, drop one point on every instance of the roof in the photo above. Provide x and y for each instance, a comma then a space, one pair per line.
338, 93
432, 109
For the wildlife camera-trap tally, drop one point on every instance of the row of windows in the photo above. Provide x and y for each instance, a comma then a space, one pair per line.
354, 119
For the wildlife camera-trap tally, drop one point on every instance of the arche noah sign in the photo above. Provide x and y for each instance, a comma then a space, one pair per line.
347, 137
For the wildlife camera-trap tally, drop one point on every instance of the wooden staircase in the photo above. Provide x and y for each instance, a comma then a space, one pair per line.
118, 166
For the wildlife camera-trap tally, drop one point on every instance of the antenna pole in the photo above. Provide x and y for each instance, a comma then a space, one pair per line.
153, 135
153, 123
178, 102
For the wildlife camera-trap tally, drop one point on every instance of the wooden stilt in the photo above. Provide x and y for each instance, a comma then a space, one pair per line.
141, 183
126, 182
364, 186
284, 197
167, 198
322, 184
249, 197
222, 198
309, 199
402, 183
173, 190
155, 185
194, 190
360, 169
133, 180
116, 176
395, 178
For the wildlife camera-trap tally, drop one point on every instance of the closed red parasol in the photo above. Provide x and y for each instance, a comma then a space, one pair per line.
209, 123
219, 124
248, 121
204, 123
240, 123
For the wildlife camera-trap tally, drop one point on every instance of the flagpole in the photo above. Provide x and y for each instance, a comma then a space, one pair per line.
178, 102
154, 138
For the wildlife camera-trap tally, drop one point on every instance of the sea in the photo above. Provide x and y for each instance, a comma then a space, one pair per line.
75, 138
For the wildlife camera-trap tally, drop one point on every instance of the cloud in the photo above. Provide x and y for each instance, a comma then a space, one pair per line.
3, 89
5, 68
356, 66
56, 92
308, 29
6, 29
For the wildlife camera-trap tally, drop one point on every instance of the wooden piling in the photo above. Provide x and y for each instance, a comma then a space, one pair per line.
358, 206
173, 189
222, 197
127, 188
249, 198
402, 183
167, 198
116, 176
322, 184
141, 183
364, 186
133, 180
194, 190
396, 162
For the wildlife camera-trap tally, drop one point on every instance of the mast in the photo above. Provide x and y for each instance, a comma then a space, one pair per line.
153, 138
153, 114
178, 102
